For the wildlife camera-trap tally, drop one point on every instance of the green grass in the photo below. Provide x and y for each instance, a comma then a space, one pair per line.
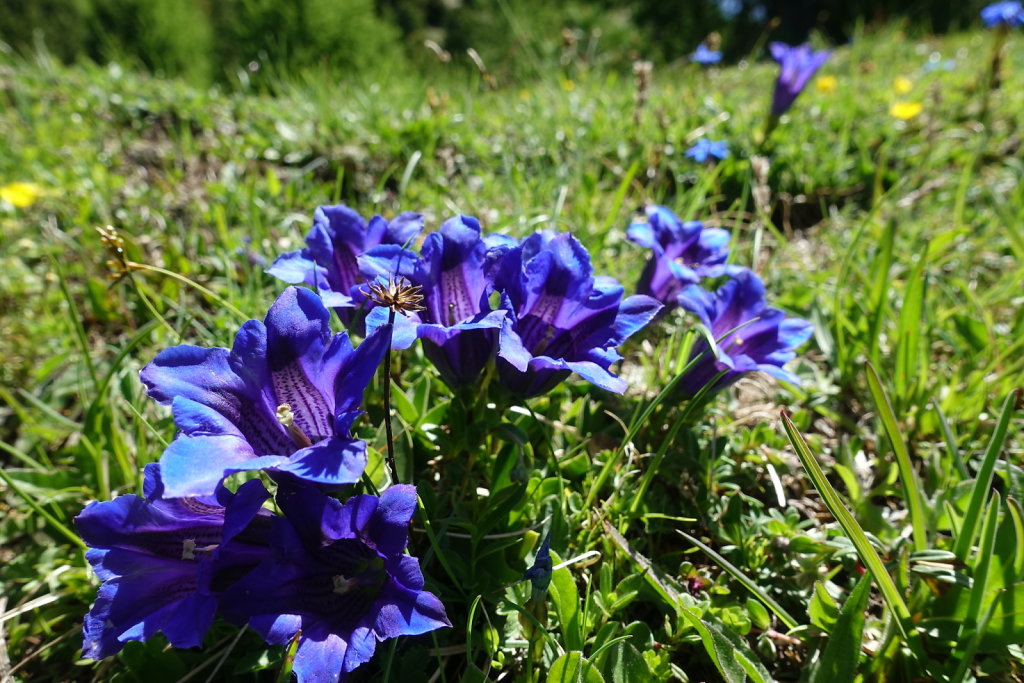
901, 241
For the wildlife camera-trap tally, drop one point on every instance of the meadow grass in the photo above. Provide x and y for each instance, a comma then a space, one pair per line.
875, 531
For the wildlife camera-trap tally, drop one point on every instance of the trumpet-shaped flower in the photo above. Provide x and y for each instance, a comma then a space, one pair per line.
281, 399
329, 261
704, 149
458, 328
749, 334
684, 252
339, 577
1009, 13
705, 56
165, 562
798, 65
561, 318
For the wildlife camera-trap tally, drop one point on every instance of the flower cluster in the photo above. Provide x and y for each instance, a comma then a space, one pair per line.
749, 334
333, 574
532, 309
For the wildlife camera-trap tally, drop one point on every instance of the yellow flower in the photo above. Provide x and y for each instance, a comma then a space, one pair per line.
905, 110
902, 85
568, 85
21, 195
826, 84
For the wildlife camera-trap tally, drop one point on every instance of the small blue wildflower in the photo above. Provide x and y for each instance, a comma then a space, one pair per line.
749, 335
338, 579
281, 399
328, 263
1009, 13
705, 55
798, 65
540, 573
704, 149
165, 562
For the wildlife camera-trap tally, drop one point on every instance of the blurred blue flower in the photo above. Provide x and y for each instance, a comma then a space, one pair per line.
164, 562
705, 55
338, 579
560, 317
683, 253
1008, 13
749, 335
328, 263
798, 65
458, 327
704, 149
282, 399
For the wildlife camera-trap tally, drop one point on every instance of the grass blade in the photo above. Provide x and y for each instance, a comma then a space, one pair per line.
853, 531
911, 486
748, 583
969, 527
842, 651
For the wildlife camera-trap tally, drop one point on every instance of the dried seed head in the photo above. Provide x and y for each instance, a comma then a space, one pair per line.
398, 295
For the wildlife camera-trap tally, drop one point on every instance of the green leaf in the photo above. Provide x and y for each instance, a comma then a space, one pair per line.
822, 609
983, 482
842, 650
572, 667
730, 654
908, 477
566, 599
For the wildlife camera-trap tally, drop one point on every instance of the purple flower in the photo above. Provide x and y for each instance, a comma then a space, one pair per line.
1009, 13
328, 263
705, 55
338, 575
164, 563
458, 328
704, 149
798, 65
749, 335
282, 399
561, 319
683, 253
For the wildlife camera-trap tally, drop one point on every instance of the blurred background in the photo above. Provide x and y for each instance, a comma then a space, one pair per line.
250, 42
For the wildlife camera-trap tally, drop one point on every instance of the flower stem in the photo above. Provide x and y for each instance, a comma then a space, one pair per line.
387, 399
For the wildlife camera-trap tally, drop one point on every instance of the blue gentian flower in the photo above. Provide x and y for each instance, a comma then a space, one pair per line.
539, 575
798, 65
338, 576
282, 399
704, 149
561, 318
1009, 13
705, 55
749, 334
684, 252
164, 562
458, 328
328, 263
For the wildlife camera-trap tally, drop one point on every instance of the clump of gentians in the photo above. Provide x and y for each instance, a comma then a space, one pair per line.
797, 65
552, 316
703, 150
328, 263
705, 56
333, 574
750, 335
